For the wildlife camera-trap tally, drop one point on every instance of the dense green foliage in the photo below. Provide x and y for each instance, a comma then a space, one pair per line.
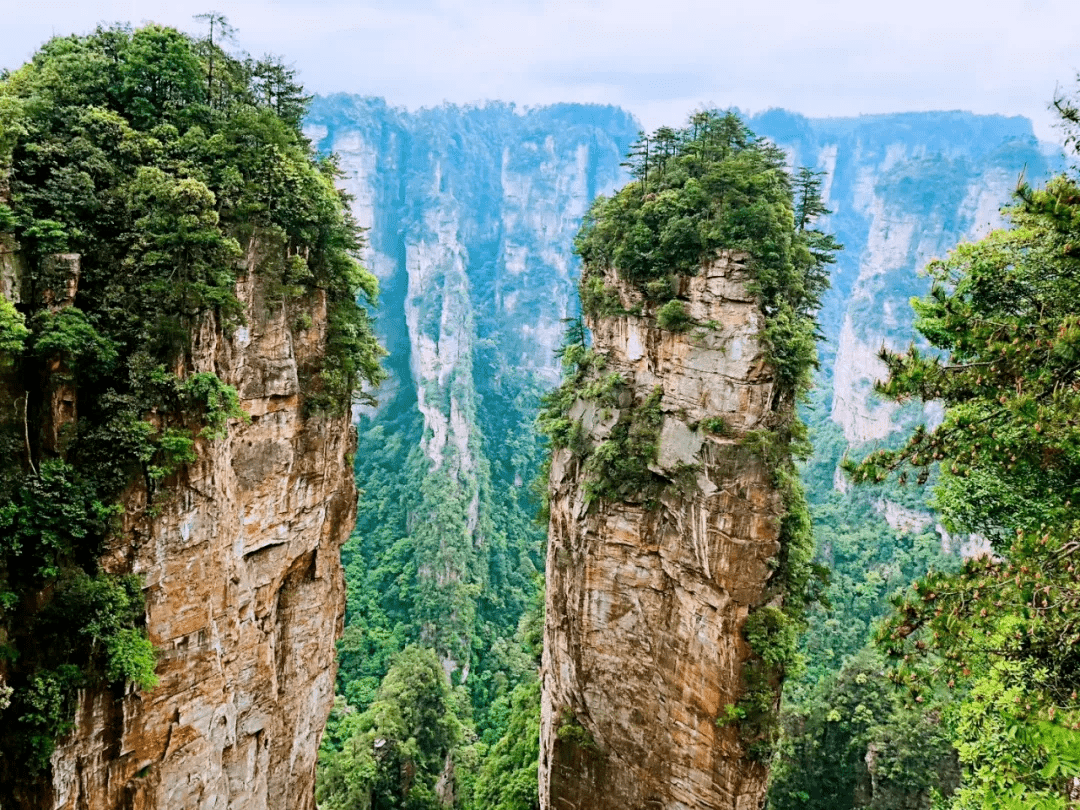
119, 150
856, 743
414, 521
869, 561
403, 534
393, 753
508, 776
429, 729
1002, 632
850, 739
165, 169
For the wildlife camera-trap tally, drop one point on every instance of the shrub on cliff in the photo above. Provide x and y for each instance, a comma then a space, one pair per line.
673, 316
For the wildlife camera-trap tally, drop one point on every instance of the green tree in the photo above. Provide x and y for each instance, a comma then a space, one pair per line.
159, 76
1003, 319
214, 20
13, 331
275, 83
394, 752
638, 160
807, 193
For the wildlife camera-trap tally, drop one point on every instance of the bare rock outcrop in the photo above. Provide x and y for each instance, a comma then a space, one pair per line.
646, 600
244, 594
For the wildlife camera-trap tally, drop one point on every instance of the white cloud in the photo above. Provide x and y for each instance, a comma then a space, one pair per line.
659, 59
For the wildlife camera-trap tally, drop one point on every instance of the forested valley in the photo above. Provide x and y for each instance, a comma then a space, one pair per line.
930, 345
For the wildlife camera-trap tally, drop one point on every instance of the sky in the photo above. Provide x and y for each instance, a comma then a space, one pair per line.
658, 59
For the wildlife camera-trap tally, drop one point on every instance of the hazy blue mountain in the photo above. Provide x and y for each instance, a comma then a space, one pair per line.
904, 189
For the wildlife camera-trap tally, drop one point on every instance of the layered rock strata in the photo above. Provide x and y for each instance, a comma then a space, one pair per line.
244, 597
646, 600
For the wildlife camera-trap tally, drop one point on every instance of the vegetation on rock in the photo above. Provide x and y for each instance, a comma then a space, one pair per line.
709, 186
142, 173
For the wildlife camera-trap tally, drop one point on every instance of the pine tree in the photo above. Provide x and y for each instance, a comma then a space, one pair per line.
637, 161
214, 19
1003, 318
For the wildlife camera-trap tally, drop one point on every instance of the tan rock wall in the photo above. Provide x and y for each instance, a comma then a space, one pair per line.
642, 645
245, 598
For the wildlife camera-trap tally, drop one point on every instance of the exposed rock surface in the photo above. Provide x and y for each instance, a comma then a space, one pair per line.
903, 188
245, 597
645, 602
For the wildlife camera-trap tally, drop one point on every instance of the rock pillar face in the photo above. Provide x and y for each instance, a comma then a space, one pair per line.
643, 647
244, 593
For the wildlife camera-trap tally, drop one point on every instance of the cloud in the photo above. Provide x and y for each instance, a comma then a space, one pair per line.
832, 57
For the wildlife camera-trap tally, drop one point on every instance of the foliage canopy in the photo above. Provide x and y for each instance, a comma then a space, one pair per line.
709, 186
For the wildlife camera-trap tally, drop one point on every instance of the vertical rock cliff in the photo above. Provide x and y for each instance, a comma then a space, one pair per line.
244, 597
646, 598
182, 333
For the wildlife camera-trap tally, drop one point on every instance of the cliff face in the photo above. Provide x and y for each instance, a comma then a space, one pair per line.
472, 212
244, 595
645, 601
903, 188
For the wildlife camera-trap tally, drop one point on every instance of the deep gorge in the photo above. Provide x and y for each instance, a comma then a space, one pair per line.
202, 556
